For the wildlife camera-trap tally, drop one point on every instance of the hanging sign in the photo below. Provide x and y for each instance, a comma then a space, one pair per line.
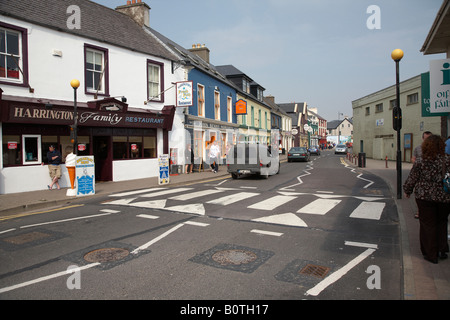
440, 86
184, 94
241, 107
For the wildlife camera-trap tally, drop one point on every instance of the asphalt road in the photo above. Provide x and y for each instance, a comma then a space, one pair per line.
317, 230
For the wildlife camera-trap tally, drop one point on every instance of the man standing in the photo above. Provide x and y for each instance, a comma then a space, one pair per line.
214, 152
54, 166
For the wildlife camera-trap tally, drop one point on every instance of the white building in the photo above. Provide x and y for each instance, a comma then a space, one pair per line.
46, 44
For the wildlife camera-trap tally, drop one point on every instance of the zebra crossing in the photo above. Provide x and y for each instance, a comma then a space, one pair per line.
263, 208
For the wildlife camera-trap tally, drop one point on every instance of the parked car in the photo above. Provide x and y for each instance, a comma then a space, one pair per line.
315, 150
298, 153
340, 148
251, 158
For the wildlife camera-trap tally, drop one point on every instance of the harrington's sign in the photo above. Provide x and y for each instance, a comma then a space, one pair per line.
38, 114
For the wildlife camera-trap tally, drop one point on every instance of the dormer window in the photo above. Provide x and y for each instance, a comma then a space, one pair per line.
245, 85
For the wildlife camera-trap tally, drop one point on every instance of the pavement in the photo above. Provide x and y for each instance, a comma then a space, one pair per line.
422, 280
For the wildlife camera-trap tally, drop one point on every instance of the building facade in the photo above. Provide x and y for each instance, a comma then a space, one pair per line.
125, 103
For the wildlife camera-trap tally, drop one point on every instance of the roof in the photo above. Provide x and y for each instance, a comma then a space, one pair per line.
97, 23
438, 39
335, 123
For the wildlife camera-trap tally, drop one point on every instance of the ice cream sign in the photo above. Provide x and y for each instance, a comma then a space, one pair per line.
440, 86
82, 175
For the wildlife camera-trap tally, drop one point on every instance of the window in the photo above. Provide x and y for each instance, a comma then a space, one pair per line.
155, 81
201, 100
13, 60
367, 111
12, 147
216, 105
392, 104
31, 149
412, 98
96, 70
134, 147
245, 86
379, 107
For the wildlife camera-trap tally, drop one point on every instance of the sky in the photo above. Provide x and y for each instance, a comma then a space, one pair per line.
321, 52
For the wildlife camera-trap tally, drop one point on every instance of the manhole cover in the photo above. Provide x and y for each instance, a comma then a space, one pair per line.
27, 237
234, 257
106, 255
315, 271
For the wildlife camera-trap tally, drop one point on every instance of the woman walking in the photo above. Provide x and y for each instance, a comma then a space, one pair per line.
425, 179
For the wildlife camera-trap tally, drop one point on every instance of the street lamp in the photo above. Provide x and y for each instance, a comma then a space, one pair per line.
397, 55
74, 139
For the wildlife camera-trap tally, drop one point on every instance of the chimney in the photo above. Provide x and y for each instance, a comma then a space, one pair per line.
200, 50
270, 99
137, 10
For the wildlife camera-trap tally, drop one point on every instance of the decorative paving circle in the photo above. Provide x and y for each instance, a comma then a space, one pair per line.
106, 255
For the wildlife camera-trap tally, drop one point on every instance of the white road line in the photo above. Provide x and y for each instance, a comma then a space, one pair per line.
196, 194
335, 276
233, 198
129, 193
361, 244
109, 211
52, 276
198, 224
272, 203
147, 216
9, 230
65, 220
269, 233
165, 192
368, 210
165, 234
319, 206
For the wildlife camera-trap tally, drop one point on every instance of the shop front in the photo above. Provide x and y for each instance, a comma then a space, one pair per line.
125, 142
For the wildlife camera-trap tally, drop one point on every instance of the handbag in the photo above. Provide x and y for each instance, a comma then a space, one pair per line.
446, 180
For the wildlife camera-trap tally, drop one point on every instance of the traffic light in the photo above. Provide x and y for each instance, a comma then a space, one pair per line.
72, 134
397, 118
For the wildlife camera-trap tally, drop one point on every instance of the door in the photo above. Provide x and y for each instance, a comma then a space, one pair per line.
103, 158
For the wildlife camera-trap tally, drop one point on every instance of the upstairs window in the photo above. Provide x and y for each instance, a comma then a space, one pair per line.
200, 100
155, 81
13, 59
217, 105
96, 70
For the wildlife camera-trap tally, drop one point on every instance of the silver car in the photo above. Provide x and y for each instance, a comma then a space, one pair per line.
340, 148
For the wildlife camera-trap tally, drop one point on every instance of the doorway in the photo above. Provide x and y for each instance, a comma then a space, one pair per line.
102, 150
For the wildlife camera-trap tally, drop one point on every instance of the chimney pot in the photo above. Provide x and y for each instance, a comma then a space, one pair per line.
134, 1
128, 2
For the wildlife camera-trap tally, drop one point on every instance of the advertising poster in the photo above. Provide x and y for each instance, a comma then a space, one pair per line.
440, 86
85, 175
164, 176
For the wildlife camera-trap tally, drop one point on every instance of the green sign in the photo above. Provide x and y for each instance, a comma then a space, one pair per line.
426, 98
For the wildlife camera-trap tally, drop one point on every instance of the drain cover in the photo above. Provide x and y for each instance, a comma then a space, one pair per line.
315, 271
234, 257
106, 255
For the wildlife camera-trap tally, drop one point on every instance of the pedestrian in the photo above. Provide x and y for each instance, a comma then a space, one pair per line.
189, 159
214, 153
417, 154
54, 166
425, 179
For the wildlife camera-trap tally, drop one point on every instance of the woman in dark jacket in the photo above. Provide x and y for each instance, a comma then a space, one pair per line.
425, 179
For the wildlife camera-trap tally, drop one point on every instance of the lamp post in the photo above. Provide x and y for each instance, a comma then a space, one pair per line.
397, 55
75, 84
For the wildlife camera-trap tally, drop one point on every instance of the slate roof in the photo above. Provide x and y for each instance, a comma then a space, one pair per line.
97, 23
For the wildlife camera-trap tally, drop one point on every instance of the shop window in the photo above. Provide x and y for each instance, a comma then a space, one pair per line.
47, 141
12, 147
120, 146
135, 145
31, 149
149, 147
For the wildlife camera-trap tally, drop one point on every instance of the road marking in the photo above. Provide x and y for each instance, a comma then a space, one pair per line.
109, 211
129, 193
9, 230
195, 208
165, 234
361, 244
65, 220
335, 276
269, 233
157, 204
368, 210
288, 219
196, 194
198, 224
33, 213
233, 198
147, 216
319, 206
165, 192
272, 203
52, 276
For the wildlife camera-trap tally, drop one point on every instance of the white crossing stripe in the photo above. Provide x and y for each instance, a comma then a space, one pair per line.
319, 206
129, 193
269, 233
272, 203
196, 194
233, 198
368, 210
288, 219
165, 192
147, 216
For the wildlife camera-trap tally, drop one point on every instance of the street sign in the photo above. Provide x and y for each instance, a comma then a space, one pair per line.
440, 86
163, 177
